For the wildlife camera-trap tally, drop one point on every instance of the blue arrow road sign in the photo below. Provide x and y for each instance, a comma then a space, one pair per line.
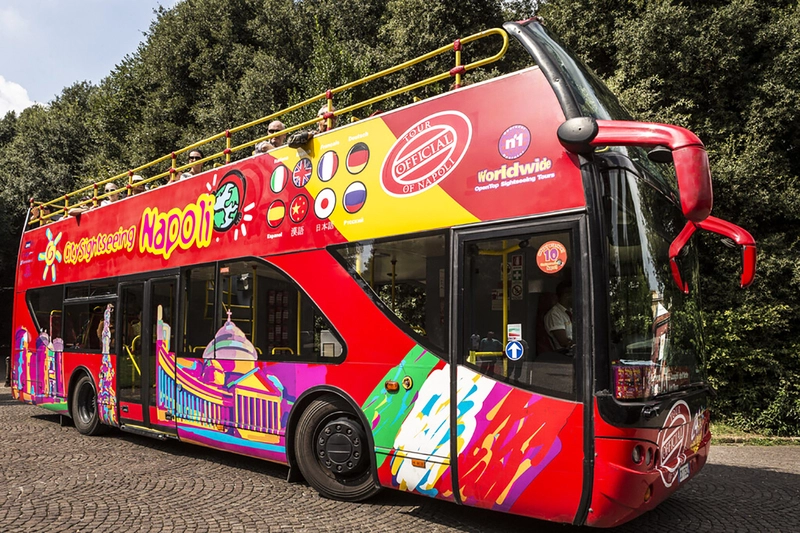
514, 350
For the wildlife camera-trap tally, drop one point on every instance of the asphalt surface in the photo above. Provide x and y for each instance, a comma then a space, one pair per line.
53, 479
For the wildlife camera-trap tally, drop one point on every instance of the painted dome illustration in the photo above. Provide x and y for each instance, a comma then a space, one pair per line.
230, 343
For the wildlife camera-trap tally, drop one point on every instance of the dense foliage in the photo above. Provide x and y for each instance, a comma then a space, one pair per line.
727, 69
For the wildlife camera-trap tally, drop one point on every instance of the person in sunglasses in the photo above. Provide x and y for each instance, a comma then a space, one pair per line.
276, 126
195, 169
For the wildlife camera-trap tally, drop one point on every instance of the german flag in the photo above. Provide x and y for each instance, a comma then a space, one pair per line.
357, 158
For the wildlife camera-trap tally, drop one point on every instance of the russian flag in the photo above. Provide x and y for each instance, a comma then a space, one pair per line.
355, 196
328, 165
357, 158
275, 213
280, 176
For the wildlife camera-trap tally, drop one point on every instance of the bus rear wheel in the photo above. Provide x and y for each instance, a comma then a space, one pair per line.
84, 407
333, 452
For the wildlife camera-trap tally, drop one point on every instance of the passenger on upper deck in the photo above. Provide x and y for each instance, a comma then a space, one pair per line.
136, 184
302, 137
110, 188
43, 211
275, 126
195, 169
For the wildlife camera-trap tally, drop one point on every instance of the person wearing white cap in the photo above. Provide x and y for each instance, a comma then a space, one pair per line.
136, 184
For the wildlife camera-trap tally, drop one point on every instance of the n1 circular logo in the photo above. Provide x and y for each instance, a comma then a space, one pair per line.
426, 153
514, 142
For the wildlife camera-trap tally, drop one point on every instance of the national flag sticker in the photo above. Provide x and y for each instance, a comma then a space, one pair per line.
328, 165
324, 203
280, 176
355, 196
275, 213
302, 172
357, 158
298, 209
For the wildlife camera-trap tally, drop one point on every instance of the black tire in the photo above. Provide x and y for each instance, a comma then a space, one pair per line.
84, 408
332, 451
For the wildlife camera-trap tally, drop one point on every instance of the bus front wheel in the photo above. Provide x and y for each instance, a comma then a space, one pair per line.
84, 407
333, 452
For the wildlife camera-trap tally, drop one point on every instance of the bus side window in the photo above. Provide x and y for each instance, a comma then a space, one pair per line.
274, 314
46, 305
198, 309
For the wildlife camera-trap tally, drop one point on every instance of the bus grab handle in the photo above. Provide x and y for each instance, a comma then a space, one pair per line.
721, 227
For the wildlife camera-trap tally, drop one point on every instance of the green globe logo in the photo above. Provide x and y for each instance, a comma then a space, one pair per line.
229, 198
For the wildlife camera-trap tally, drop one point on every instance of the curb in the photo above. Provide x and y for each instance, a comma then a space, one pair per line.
754, 440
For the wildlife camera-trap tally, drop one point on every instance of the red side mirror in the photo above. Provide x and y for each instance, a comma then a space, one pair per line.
721, 227
688, 153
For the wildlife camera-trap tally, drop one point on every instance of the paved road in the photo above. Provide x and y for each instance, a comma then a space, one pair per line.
53, 479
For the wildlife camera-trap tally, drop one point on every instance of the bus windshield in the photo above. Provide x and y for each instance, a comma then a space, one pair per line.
656, 341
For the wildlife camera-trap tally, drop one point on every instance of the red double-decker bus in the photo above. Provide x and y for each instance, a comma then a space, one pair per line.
487, 297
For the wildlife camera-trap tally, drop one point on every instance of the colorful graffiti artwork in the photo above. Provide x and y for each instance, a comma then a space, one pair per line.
499, 430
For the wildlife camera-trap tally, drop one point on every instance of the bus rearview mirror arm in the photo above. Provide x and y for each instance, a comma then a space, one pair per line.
583, 134
721, 227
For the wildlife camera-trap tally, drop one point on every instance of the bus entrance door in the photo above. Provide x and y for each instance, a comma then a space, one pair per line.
146, 366
519, 425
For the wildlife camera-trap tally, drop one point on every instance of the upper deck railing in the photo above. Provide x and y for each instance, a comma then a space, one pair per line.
61, 206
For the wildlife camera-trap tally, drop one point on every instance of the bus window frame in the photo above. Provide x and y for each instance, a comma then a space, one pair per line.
573, 221
218, 319
101, 299
32, 311
443, 354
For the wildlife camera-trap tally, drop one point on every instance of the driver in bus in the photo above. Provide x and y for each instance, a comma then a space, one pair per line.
558, 320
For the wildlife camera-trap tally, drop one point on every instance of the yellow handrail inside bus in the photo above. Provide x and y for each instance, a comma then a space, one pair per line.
62, 205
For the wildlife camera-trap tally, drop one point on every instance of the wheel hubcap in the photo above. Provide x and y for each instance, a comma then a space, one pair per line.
340, 447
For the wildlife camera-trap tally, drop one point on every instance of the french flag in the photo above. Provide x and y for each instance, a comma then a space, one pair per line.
355, 196
328, 165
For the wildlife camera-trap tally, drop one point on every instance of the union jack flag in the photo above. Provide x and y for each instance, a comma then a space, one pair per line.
302, 172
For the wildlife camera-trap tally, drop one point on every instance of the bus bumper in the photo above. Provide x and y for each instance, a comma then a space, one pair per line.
623, 489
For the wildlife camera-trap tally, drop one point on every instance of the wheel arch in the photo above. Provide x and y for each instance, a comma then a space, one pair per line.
77, 373
301, 405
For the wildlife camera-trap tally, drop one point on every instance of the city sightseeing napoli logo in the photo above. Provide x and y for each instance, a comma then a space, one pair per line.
51, 255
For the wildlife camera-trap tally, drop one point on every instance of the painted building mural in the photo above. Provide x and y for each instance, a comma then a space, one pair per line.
37, 375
